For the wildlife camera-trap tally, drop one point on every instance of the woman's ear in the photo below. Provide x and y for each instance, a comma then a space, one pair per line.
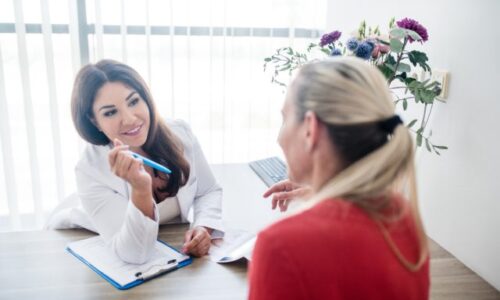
311, 123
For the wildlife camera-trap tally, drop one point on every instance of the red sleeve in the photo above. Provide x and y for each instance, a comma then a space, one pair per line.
273, 273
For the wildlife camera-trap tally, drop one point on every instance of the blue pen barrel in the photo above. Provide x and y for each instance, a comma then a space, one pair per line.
152, 164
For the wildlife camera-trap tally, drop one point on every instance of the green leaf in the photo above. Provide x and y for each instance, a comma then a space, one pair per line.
405, 104
385, 70
396, 45
427, 96
427, 145
441, 147
413, 84
410, 125
284, 68
402, 67
391, 22
267, 59
380, 41
397, 33
419, 58
431, 85
401, 77
390, 60
409, 80
311, 45
419, 139
326, 51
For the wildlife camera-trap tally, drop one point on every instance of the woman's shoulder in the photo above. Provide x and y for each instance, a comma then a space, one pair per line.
182, 130
324, 213
179, 126
92, 156
331, 215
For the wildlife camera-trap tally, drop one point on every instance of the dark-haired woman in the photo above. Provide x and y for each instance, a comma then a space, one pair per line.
125, 200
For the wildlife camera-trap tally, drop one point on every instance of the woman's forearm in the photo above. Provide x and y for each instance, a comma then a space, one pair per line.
143, 200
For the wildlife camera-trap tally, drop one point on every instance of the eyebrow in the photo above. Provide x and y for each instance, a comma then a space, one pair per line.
126, 99
130, 95
106, 107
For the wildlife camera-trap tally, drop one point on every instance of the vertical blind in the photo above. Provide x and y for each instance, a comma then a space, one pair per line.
201, 58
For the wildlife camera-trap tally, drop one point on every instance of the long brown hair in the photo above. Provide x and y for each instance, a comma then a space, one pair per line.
161, 144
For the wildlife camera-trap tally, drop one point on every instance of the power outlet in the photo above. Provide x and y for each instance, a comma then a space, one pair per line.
442, 77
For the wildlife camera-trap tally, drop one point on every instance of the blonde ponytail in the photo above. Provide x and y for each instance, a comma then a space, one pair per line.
345, 93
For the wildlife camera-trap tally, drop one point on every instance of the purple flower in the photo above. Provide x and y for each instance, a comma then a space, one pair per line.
336, 52
415, 26
364, 50
330, 38
352, 44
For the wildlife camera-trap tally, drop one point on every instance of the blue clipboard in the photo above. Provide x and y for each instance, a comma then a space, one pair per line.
179, 265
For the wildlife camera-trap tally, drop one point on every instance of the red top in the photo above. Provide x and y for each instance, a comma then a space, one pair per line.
335, 251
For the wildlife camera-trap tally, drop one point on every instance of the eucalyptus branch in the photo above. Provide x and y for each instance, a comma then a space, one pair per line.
398, 61
429, 115
405, 98
422, 124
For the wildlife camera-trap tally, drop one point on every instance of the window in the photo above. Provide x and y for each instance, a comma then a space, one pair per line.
202, 59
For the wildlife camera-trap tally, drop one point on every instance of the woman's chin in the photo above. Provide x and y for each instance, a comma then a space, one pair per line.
134, 142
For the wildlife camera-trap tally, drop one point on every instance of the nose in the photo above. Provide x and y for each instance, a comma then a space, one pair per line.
128, 118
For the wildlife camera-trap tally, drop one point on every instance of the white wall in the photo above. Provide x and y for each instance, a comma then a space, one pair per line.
459, 191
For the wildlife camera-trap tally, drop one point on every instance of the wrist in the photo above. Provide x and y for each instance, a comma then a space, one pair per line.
207, 229
143, 200
140, 189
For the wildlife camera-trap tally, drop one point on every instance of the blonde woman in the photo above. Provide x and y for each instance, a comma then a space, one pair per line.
357, 236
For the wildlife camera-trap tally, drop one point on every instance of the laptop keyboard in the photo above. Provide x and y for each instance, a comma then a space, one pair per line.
270, 170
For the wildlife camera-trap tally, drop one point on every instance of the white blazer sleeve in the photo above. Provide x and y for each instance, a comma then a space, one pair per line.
126, 230
207, 203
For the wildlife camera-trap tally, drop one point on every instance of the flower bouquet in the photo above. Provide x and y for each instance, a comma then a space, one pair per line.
390, 53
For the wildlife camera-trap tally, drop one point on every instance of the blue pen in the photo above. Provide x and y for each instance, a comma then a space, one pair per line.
152, 164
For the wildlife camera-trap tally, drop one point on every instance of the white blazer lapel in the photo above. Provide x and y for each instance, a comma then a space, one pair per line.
96, 165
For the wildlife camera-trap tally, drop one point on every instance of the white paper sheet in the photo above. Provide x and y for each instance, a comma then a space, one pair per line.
235, 245
95, 252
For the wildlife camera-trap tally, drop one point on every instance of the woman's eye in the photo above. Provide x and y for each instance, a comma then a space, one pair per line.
134, 102
110, 113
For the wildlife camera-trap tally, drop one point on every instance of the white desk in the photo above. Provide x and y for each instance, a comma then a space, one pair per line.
34, 265
243, 205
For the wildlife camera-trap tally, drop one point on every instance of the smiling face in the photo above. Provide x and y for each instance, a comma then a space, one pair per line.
120, 112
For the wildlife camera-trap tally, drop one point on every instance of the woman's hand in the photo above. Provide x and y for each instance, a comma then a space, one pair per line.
197, 241
285, 191
125, 166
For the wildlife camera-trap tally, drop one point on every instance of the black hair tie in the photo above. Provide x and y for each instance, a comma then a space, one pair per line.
388, 125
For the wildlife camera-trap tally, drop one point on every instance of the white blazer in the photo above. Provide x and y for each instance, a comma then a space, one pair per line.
128, 232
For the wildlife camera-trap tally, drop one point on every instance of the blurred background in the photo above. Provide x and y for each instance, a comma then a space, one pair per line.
203, 60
